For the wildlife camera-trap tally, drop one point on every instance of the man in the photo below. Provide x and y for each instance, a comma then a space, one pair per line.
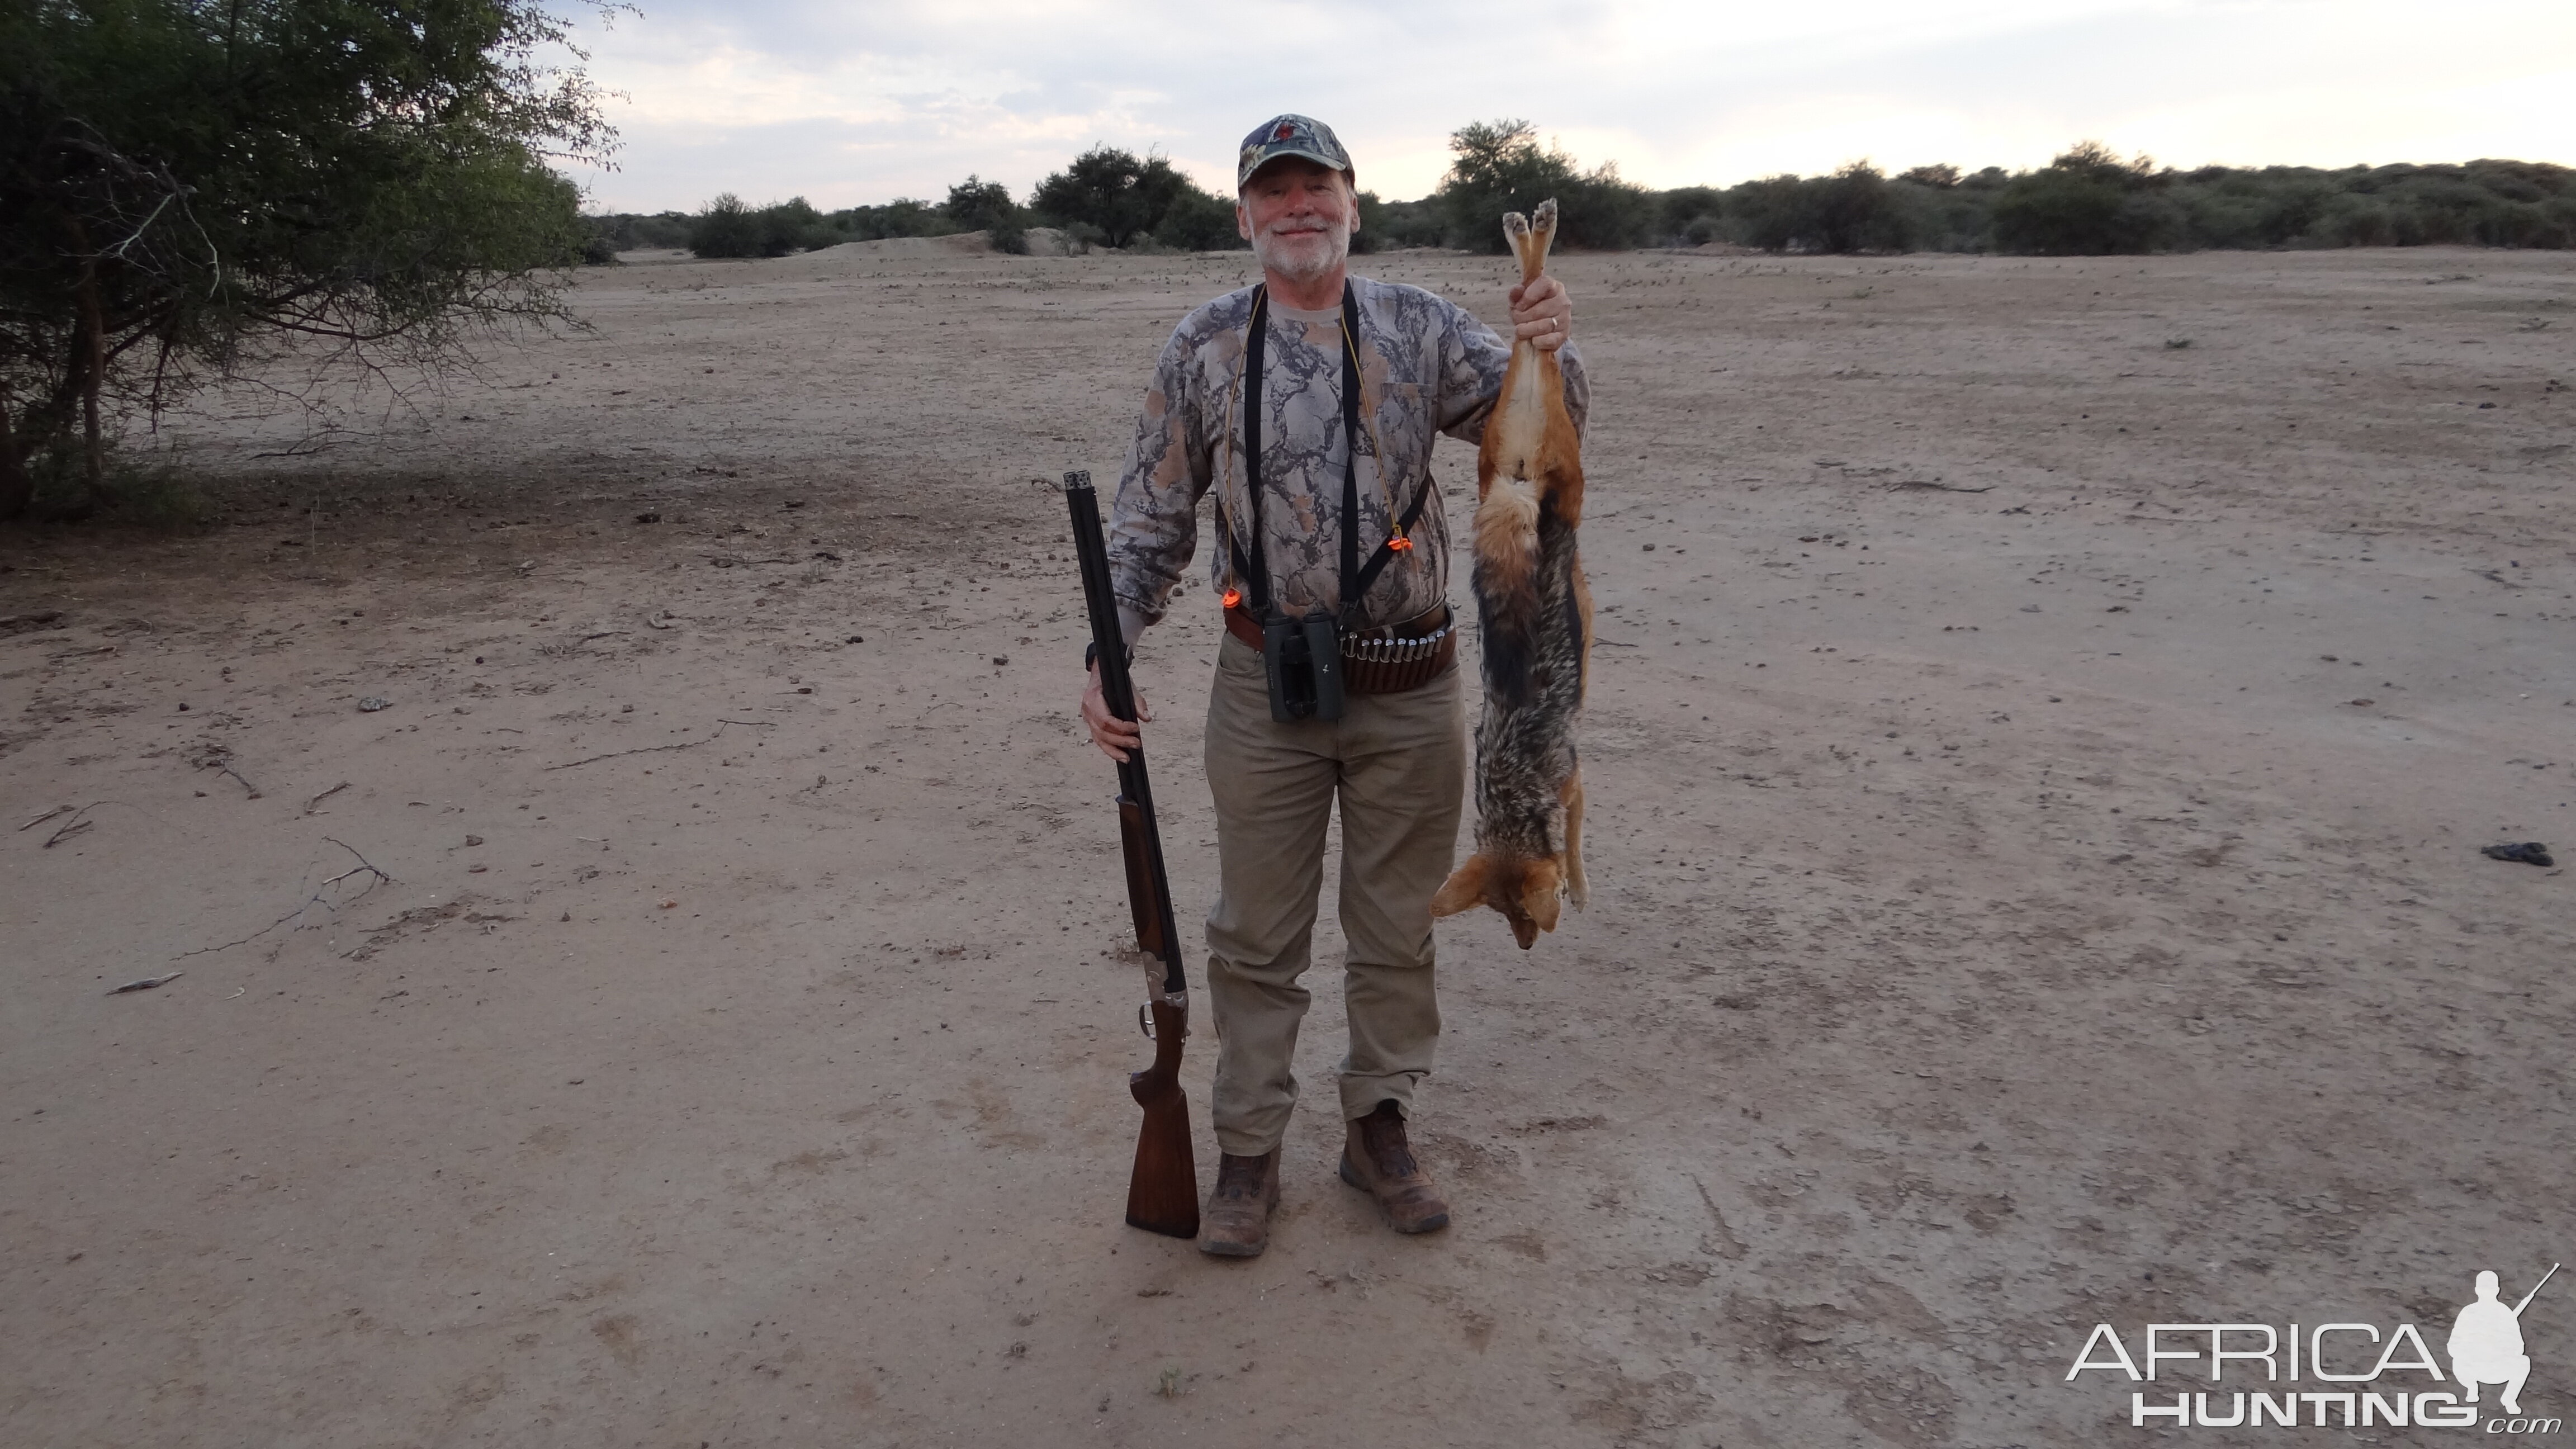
1305, 494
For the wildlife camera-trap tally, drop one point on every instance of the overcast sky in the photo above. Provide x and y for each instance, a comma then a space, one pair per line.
854, 103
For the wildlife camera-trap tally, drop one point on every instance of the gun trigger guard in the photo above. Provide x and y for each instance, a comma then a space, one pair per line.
1145, 1019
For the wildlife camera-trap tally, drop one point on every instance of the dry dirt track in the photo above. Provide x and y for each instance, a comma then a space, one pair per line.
2038, 770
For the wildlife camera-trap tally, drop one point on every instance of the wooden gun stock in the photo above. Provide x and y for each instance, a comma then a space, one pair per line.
1163, 1191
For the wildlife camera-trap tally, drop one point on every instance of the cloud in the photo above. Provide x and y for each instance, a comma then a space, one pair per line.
848, 104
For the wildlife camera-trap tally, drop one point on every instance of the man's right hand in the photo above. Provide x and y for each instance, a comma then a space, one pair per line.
1113, 735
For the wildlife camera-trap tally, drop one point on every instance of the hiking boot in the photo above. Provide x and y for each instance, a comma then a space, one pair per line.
1236, 1223
1377, 1161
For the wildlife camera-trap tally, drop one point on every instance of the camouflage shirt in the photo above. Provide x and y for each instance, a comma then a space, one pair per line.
1426, 366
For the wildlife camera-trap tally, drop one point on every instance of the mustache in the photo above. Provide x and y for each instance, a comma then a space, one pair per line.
1300, 226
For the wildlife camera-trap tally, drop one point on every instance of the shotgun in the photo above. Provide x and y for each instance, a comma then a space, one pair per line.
2535, 1290
1163, 1191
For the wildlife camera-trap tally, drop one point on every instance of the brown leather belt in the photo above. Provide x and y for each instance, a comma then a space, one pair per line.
1387, 660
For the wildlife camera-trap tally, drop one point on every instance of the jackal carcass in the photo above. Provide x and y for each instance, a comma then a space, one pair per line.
1537, 631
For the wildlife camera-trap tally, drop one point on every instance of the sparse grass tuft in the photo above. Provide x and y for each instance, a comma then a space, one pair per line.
158, 495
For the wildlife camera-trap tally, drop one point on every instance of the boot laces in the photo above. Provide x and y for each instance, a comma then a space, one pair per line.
1386, 1144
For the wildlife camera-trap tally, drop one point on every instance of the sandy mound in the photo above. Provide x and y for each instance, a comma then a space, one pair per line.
964, 243
1043, 241
1048, 241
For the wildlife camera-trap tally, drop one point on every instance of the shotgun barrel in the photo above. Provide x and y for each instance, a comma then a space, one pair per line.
2535, 1290
1163, 1190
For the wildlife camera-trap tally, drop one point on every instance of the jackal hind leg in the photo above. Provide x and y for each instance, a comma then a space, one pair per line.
1530, 236
1542, 235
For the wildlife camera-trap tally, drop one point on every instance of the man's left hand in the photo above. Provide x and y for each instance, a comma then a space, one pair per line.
1542, 313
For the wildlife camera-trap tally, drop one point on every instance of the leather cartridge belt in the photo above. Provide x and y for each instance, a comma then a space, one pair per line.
1386, 660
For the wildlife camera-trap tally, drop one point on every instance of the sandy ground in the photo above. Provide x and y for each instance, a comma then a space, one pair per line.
2077, 919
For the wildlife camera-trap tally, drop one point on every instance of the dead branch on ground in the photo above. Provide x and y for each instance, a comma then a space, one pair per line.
45, 816
656, 749
363, 867
79, 822
219, 762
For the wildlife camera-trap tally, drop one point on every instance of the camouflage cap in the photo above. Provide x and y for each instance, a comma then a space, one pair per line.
1290, 135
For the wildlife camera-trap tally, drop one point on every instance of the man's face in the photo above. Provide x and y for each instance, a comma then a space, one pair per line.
1298, 216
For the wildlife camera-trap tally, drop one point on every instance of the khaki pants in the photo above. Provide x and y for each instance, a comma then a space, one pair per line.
1397, 762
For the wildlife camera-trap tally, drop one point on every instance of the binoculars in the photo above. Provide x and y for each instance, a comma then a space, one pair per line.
1303, 659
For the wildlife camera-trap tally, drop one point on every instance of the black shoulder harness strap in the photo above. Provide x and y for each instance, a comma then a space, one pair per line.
1251, 567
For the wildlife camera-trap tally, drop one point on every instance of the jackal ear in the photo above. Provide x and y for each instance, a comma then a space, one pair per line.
1539, 893
1465, 888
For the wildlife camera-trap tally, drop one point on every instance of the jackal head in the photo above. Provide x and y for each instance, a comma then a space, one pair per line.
1526, 891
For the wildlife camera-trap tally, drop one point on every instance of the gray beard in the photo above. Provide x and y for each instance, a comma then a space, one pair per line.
1276, 256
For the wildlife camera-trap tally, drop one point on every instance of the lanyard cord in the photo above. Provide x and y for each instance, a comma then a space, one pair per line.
1252, 566
1385, 493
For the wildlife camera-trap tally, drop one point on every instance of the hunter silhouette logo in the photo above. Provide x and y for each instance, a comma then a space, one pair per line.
2486, 1343
2352, 1362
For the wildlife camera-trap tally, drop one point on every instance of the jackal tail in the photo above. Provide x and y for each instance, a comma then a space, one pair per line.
1506, 581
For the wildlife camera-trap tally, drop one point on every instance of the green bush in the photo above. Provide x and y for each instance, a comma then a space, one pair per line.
1372, 221
1122, 196
2086, 202
1387, 226
1853, 210
1690, 216
2354, 220
629, 231
1946, 211
901, 217
794, 225
1498, 166
728, 227
2055, 213
1765, 213
1196, 221
975, 204
725, 227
